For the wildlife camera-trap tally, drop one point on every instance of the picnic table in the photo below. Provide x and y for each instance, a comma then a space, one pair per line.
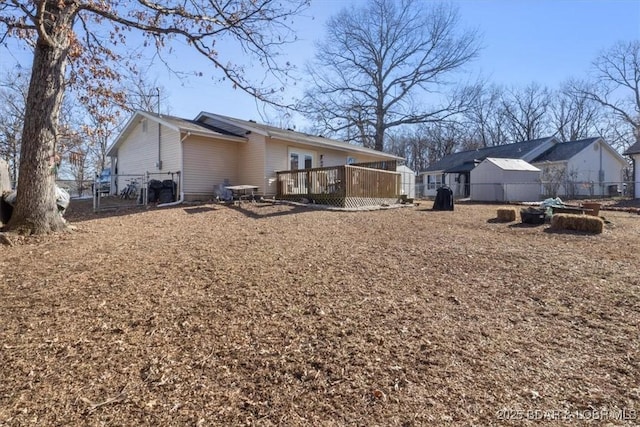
242, 192
570, 209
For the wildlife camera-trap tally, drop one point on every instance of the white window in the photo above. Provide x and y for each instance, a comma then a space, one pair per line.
435, 181
300, 159
144, 125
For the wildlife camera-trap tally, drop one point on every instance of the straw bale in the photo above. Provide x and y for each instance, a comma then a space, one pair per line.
585, 223
506, 214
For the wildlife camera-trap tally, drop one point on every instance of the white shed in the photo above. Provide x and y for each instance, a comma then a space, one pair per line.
505, 180
407, 181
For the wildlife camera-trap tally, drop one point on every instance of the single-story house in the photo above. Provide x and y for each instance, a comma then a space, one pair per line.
505, 180
454, 169
634, 153
212, 151
588, 167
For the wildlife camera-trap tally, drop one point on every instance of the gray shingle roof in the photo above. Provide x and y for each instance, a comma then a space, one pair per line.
187, 125
634, 149
235, 125
464, 160
564, 150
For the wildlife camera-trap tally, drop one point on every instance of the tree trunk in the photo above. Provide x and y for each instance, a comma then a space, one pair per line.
35, 211
380, 128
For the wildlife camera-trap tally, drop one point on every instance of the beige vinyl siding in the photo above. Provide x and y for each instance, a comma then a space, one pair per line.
251, 158
277, 159
139, 154
207, 163
170, 150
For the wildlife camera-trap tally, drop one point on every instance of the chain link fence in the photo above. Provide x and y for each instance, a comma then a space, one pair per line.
77, 189
124, 190
130, 190
514, 192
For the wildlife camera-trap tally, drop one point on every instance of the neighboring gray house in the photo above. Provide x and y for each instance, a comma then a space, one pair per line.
576, 168
589, 167
634, 153
454, 170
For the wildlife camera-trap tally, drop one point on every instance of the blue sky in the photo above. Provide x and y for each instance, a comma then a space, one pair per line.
546, 41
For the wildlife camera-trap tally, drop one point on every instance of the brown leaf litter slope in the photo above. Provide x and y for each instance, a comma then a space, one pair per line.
281, 315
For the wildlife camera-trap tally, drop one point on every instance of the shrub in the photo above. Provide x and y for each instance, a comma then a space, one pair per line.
506, 214
586, 223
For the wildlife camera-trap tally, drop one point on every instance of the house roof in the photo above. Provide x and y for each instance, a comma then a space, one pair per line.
242, 127
634, 149
564, 150
461, 168
512, 164
192, 126
464, 161
176, 123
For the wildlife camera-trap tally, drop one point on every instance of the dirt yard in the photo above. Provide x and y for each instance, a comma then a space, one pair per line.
207, 315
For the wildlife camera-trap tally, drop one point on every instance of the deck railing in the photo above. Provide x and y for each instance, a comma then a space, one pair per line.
385, 165
338, 185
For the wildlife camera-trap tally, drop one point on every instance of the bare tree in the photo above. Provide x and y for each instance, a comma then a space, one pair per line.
552, 178
616, 132
427, 143
573, 115
616, 84
74, 161
375, 62
485, 120
144, 94
526, 112
100, 125
80, 169
104, 119
413, 145
68, 51
13, 95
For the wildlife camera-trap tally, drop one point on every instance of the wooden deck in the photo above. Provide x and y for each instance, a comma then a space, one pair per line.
348, 186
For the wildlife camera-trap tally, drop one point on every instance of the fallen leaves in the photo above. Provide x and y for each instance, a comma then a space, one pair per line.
282, 315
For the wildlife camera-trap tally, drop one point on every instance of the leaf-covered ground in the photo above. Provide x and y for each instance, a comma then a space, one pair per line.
283, 315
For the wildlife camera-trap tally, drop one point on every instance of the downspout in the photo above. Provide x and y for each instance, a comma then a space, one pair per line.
159, 164
601, 172
634, 176
180, 178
